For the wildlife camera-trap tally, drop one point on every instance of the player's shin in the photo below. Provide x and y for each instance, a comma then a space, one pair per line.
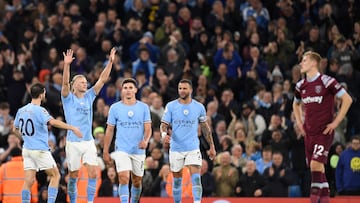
196, 187
52, 194
72, 190
124, 192
25, 196
135, 194
177, 190
91, 189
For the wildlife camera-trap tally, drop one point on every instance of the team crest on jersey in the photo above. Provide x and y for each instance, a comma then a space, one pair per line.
186, 112
130, 113
318, 89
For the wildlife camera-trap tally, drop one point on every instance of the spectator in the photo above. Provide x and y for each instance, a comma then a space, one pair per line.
260, 13
251, 182
347, 170
334, 155
144, 64
13, 141
231, 58
5, 120
207, 180
157, 106
265, 161
150, 186
236, 157
226, 176
278, 178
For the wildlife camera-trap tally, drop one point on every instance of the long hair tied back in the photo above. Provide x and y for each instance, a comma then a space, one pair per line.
73, 80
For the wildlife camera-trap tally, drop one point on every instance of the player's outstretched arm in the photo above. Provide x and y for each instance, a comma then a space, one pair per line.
60, 124
107, 140
105, 73
346, 101
206, 130
298, 114
68, 58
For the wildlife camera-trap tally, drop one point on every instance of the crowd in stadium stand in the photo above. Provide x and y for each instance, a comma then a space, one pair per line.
241, 55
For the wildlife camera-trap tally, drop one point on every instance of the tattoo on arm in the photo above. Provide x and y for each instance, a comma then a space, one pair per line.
207, 132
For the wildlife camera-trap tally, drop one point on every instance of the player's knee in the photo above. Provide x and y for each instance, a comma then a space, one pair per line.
29, 181
92, 172
55, 174
74, 174
123, 180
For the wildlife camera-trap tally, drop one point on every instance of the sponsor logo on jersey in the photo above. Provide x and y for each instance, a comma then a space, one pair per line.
316, 99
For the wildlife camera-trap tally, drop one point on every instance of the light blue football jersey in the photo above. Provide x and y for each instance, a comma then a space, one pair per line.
184, 119
129, 121
79, 113
31, 120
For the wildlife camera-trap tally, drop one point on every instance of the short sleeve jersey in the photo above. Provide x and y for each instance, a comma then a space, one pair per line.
318, 99
32, 120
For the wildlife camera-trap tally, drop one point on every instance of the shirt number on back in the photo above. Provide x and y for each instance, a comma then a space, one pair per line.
26, 127
318, 149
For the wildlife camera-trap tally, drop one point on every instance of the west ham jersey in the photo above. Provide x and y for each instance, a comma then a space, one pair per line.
317, 95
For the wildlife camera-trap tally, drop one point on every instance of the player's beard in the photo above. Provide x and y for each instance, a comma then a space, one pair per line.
185, 97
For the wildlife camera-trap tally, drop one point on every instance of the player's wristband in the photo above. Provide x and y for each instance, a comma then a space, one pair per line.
163, 134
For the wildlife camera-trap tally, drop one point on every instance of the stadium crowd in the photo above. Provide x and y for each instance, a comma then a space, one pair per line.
241, 55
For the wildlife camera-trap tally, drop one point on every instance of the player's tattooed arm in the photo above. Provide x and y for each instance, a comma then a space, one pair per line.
206, 130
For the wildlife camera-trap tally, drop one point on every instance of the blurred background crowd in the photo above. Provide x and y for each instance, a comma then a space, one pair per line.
241, 55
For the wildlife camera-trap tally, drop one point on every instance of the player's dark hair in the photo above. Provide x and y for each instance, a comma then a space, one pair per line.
129, 80
186, 81
36, 90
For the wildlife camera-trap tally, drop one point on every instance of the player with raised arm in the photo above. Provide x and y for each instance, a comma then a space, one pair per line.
315, 94
77, 102
31, 123
184, 116
133, 131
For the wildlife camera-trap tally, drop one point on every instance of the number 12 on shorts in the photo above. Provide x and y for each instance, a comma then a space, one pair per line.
318, 150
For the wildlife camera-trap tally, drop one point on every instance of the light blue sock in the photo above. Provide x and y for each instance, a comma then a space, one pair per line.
72, 189
25, 196
196, 186
177, 190
91, 189
124, 193
135, 194
52, 194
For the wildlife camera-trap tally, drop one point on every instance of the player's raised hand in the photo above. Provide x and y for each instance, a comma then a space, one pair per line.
68, 56
112, 55
77, 132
